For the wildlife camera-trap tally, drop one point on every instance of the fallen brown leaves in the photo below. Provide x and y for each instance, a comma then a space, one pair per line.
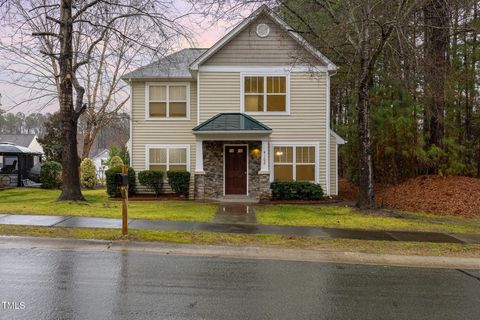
458, 196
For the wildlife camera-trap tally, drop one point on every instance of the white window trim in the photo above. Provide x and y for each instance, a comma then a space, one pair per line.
294, 156
167, 85
265, 74
168, 147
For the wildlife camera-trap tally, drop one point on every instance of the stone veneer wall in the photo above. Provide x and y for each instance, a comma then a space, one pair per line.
210, 185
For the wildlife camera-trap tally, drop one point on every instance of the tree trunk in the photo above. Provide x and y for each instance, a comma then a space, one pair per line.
436, 43
472, 81
88, 139
87, 145
478, 160
366, 196
70, 173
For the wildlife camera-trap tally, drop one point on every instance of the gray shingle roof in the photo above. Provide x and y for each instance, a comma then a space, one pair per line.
175, 65
9, 148
23, 140
231, 122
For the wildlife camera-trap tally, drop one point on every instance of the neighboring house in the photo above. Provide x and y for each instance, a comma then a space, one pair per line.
100, 159
24, 140
252, 109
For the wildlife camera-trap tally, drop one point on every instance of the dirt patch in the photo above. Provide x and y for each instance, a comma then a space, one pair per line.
457, 196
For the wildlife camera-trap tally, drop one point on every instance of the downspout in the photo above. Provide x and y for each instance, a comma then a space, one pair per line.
328, 162
198, 97
130, 144
328, 136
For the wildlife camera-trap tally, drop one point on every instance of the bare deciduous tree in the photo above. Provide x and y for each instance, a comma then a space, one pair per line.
76, 51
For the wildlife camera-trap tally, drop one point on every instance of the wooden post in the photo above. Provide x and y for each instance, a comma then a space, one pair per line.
124, 192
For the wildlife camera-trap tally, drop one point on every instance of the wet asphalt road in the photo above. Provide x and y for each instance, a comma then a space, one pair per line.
111, 285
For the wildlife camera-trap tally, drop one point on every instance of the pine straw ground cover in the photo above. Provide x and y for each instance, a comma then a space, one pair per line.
456, 196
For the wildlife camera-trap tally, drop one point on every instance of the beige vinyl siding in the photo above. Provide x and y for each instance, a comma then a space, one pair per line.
159, 131
248, 49
333, 166
220, 92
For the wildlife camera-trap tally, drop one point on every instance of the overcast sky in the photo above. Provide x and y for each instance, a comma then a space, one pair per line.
205, 36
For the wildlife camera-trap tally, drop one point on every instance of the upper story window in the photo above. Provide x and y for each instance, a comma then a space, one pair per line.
167, 101
265, 94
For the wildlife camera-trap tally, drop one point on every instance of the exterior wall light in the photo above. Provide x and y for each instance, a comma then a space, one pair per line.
256, 153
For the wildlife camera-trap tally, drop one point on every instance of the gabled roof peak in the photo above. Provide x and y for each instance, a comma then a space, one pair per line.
242, 25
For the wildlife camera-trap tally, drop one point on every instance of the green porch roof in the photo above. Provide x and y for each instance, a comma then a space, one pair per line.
231, 122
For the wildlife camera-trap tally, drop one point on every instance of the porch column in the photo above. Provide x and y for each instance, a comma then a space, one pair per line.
265, 162
199, 158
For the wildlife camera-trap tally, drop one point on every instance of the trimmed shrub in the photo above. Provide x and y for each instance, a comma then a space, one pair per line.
50, 175
179, 181
121, 152
112, 189
151, 179
293, 190
88, 173
116, 161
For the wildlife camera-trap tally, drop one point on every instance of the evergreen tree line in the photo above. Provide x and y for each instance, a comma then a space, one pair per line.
47, 127
19, 123
424, 98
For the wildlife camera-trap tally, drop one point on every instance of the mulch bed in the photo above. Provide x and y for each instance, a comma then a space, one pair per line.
152, 197
335, 200
456, 196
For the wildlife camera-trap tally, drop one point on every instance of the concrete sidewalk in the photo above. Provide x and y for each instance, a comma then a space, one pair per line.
92, 222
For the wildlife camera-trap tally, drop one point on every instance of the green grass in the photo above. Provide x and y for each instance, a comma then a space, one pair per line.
262, 240
351, 218
40, 201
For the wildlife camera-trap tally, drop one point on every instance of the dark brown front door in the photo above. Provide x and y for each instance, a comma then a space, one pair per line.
235, 169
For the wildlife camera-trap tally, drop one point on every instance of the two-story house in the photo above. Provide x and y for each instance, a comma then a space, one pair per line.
252, 109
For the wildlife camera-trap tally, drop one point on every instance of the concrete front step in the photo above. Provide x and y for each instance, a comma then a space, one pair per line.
238, 199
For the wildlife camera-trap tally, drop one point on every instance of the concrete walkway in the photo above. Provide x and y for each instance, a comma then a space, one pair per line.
235, 213
92, 222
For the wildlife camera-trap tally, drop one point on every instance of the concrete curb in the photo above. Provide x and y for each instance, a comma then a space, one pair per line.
241, 252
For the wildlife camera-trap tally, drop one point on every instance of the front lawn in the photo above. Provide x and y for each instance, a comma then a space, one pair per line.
351, 218
40, 201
